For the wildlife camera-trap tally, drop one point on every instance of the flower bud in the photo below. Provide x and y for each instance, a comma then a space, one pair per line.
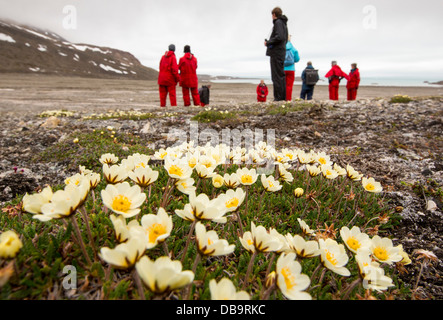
298, 192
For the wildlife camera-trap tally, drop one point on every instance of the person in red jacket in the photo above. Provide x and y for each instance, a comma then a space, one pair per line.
168, 77
188, 77
262, 91
335, 75
353, 82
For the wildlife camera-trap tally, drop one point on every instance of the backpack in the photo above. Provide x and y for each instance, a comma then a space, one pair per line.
289, 59
311, 77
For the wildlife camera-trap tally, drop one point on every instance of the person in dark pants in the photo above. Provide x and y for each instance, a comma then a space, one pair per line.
276, 50
307, 90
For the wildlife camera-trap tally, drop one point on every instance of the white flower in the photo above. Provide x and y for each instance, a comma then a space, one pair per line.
217, 181
143, 176
202, 208
123, 199
333, 256
284, 174
354, 239
323, 159
313, 170
225, 290
259, 239
305, 228
290, 280
370, 185
375, 279
64, 203
33, 203
185, 186
247, 176
177, 169
231, 180
163, 275
10, 244
154, 228
328, 172
383, 250
121, 228
125, 255
204, 172
303, 248
353, 174
115, 173
231, 200
209, 244
108, 158
270, 184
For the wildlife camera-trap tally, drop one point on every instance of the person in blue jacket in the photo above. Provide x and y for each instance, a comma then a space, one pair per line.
307, 91
292, 57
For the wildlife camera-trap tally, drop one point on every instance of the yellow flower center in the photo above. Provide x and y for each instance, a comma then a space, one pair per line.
176, 170
246, 178
155, 231
184, 185
140, 165
271, 185
322, 160
381, 253
210, 242
250, 242
192, 162
232, 203
289, 278
331, 258
370, 187
121, 203
353, 243
163, 155
207, 164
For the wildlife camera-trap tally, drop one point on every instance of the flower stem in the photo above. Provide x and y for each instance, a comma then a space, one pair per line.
80, 239
88, 229
138, 283
240, 223
191, 230
248, 272
350, 288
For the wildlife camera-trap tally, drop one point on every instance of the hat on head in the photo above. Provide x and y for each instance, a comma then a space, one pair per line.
172, 47
187, 49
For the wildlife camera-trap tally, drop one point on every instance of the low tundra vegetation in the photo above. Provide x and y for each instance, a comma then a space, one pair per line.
202, 222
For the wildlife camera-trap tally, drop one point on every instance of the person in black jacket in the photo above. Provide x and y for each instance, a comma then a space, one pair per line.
276, 50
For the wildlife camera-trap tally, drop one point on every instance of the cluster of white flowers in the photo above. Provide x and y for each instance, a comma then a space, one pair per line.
56, 113
138, 235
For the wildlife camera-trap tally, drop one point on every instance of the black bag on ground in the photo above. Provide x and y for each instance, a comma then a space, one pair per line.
204, 94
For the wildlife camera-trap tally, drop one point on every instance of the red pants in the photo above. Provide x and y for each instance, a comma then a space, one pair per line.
261, 99
333, 92
164, 90
352, 94
290, 77
187, 98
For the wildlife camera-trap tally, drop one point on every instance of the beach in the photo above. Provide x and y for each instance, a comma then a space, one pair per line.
33, 93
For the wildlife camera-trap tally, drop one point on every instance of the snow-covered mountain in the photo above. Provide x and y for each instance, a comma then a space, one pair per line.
25, 49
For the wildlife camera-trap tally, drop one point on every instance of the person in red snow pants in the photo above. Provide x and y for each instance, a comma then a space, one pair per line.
335, 75
262, 91
353, 82
188, 77
168, 77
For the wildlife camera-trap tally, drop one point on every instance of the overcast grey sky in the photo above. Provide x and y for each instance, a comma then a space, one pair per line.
386, 38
